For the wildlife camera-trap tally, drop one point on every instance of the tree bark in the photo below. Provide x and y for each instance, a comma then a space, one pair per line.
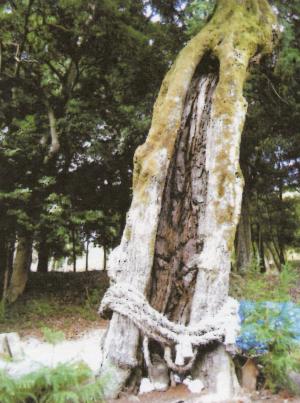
87, 254
244, 249
74, 250
104, 257
180, 229
3, 258
271, 258
43, 256
43, 261
21, 268
8, 267
55, 144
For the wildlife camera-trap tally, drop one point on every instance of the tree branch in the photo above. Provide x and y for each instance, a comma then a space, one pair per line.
1, 48
55, 71
20, 47
55, 145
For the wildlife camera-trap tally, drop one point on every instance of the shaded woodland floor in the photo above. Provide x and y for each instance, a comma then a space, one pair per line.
69, 302
61, 301
264, 287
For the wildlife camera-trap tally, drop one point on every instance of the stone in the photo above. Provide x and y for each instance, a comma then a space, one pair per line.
146, 386
159, 373
194, 385
295, 378
249, 375
10, 346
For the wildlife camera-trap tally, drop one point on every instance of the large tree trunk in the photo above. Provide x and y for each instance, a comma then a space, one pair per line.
8, 266
21, 267
170, 273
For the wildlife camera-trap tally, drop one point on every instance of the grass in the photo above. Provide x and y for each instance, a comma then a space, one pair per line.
257, 286
62, 301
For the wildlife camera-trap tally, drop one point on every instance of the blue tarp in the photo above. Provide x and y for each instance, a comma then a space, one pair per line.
280, 315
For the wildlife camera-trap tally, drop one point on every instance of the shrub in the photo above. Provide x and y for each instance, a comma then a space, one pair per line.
271, 327
65, 383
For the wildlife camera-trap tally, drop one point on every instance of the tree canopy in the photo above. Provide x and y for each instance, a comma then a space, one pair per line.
78, 82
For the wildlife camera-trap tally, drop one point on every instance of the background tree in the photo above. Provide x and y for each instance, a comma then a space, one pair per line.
270, 153
74, 109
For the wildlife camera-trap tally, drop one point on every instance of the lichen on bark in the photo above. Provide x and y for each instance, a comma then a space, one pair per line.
238, 31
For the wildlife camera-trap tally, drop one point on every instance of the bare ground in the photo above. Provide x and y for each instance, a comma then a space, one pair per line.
181, 394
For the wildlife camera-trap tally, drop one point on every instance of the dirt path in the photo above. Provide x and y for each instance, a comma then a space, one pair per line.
181, 394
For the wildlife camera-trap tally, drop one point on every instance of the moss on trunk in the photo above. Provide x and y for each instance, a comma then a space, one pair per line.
238, 31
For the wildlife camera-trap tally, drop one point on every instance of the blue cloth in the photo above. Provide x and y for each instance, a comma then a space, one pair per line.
281, 315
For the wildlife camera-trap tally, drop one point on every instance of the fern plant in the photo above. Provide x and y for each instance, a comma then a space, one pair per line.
66, 383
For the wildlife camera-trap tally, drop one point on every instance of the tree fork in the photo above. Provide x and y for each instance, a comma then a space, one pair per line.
238, 31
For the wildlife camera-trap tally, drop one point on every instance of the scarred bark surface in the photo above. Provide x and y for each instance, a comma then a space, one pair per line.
187, 190
179, 236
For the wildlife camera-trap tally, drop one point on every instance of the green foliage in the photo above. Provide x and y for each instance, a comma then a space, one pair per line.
283, 351
64, 299
197, 14
65, 383
98, 67
43, 308
92, 297
52, 336
256, 286
270, 146
282, 359
2, 310
88, 310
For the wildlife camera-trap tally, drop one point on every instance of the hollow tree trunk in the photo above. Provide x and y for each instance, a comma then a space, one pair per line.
244, 249
170, 274
21, 268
